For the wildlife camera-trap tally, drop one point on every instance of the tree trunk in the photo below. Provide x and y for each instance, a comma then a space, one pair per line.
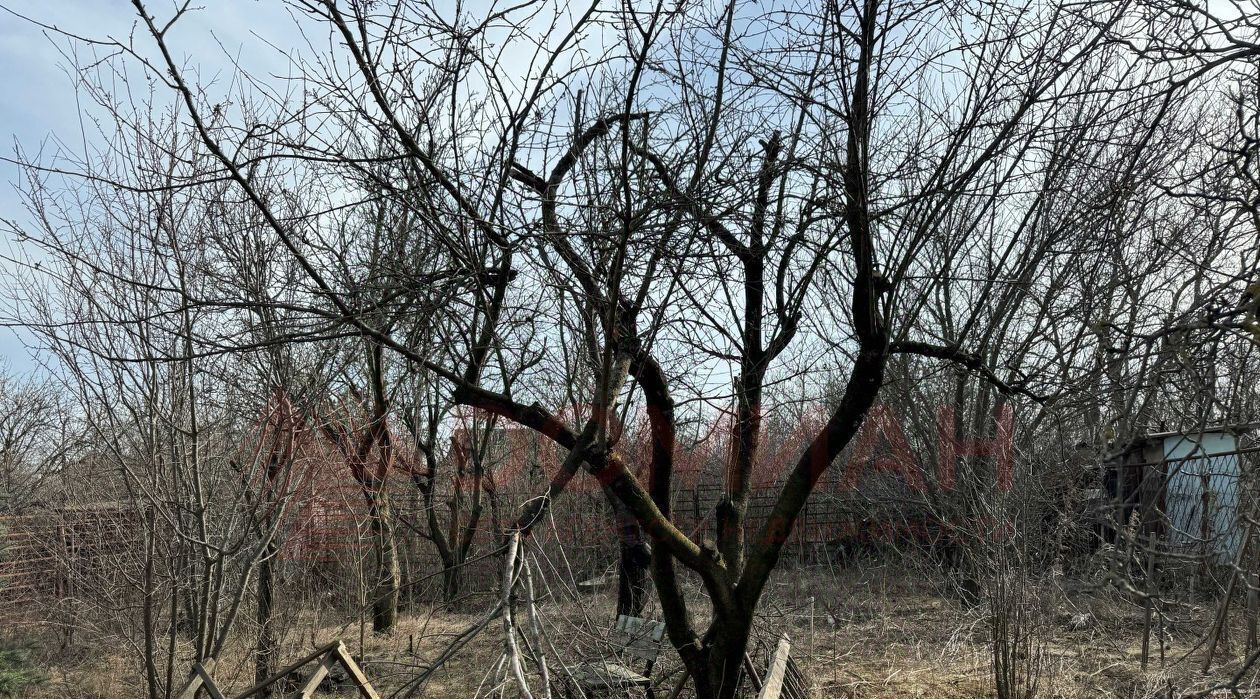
265, 650
633, 578
635, 556
388, 573
722, 671
150, 631
451, 582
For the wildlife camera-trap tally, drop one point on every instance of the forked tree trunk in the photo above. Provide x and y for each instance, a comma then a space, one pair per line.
724, 652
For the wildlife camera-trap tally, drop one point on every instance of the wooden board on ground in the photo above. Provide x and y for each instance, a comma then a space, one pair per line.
329, 655
595, 584
773, 686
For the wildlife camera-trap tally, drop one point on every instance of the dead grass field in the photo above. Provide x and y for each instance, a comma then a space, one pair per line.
879, 633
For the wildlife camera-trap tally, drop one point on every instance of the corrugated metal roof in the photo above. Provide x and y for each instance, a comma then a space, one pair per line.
1212, 429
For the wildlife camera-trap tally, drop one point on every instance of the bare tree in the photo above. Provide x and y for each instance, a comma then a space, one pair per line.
723, 201
37, 439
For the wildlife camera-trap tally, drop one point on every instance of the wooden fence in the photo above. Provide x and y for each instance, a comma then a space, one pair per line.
44, 553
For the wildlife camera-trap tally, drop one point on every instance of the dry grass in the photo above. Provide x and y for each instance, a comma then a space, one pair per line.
878, 632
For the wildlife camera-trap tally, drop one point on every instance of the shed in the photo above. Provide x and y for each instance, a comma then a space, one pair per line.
1182, 488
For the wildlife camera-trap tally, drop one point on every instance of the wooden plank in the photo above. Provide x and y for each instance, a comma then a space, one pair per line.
647, 652
641, 628
312, 684
200, 677
773, 685
594, 584
207, 680
190, 690
356, 673
288, 669
194, 683
638, 638
609, 675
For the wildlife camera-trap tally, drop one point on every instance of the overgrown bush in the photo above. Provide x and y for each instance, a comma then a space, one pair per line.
16, 673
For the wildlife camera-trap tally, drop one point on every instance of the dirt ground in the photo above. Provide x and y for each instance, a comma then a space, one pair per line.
879, 632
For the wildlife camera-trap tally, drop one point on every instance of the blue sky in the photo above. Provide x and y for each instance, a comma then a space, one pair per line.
39, 105
39, 109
